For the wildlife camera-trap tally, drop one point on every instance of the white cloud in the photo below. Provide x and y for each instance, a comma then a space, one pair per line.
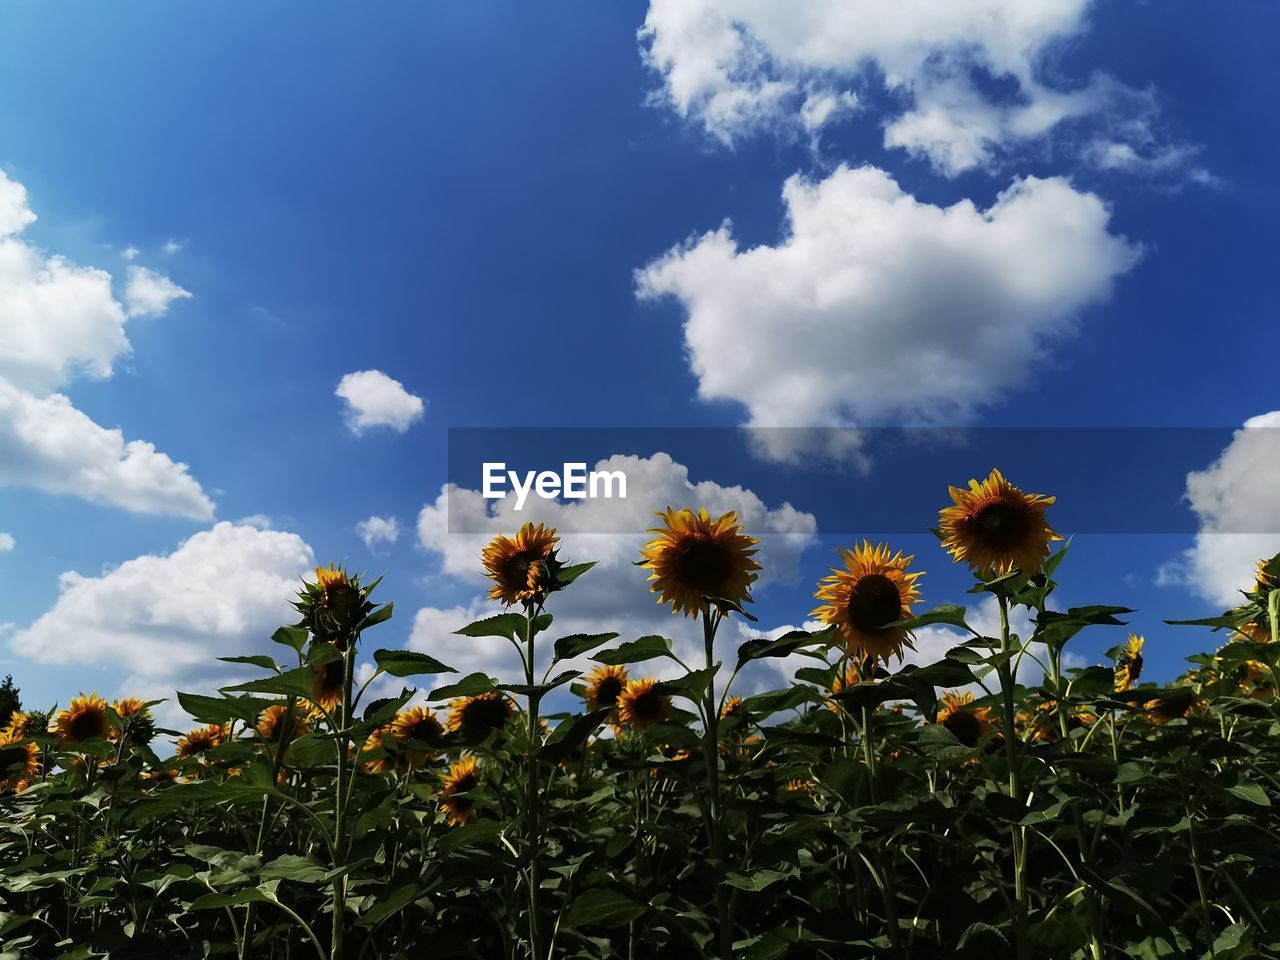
373, 399
739, 66
163, 619
614, 596
7, 543
130, 253
172, 246
1233, 497
48, 444
878, 306
148, 294
377, 530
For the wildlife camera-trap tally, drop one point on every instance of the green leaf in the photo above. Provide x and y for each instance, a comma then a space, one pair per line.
577, 644
635, 651
569, 734
566, 575
757, 880
781, 646
469, 686
259, 660
481, 831
508, 625
295, 637
692, 685
600, 907
379, 615
1250, 792
389, 906
951, 614
295, 868
296, 683
221, 709
408, 663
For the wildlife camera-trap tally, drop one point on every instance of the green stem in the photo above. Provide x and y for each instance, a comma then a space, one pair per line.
1017, 838
534, 795
711, 758
339, 900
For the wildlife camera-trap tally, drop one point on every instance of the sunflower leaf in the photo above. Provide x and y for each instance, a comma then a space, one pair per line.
469, 686
951, 614
601, 907
508, 625
577, 644
569, 734
566, 575
296, 683
408, 663
635, 651
295, 637
259, 660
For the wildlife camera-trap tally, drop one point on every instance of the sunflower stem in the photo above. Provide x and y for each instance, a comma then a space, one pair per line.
711, 757
1017, 838
339, 900
534, 797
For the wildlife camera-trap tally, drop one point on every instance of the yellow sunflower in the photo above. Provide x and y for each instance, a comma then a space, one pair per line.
478, 716
994, 527
1129, 664
518, 566
1174, 705
871, 592
693, 556
732, 708
201, 740
798, 787
605, 686
417, 725
841, 682
20, 726
327, 685
462, 778
19, 763
962, 720
85, 719
271, 722
643, 704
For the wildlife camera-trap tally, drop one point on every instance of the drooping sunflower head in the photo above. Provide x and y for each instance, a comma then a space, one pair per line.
1044, 723
462, 779
693, 556
201, 740
851, 676
1129, 664
327, 682
1174, 705
964, 721
994, 527
271, 722
605, 686
85, 719
19, 763
642, 704
333, 604
135, 721
873, 591
521, 566
477, 717
733, 707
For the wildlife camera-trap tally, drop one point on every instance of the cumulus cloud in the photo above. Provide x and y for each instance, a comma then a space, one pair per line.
7, 543
59, 321
377, 530
148, 294
878, 306
614, 595
1233, 497
164, 618
739, 66
374, 399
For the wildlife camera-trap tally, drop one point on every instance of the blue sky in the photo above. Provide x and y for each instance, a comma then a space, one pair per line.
460, 196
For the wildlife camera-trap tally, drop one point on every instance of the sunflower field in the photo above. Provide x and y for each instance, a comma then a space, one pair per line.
868, 809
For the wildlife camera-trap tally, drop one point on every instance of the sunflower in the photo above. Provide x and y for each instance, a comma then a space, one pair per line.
1044, 723
201, 740
604, 686
462, 778
693, 557
417, 725
19, 763
20, 726
518, 566
798, 788
841, 682
1256, 680
327, 683
962, 720
1129, 664
271, 723
476, 717
1174, 705
994, 527
732, 708
873, 591
642, 704
85, 719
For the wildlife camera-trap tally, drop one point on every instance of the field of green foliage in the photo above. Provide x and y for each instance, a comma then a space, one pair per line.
868, 809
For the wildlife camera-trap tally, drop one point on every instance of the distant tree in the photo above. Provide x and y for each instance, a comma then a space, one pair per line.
10, 699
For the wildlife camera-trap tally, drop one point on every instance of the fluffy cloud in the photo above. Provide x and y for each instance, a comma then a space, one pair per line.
59, 321
7, 543
48, 444
737, 66
375, 400
1233, 497
876, 305
614, 595
148, 294
164, 619
377, 530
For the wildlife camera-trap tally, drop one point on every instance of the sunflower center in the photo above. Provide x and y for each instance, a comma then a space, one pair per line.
608, 690
485, 714
704, 564
86, 724
516, 570
425, 731
12, 756
647, 706
1001, 525
874, 603
965, 727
